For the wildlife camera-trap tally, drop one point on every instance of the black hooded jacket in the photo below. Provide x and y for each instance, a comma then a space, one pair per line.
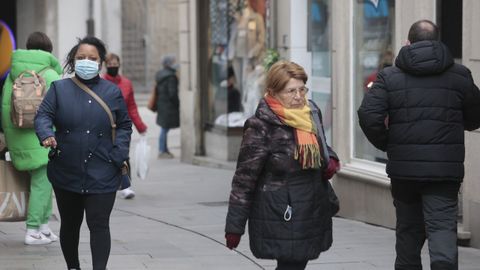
168, 104
429, 102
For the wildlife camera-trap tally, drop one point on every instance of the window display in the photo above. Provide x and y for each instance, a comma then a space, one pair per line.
237, 45
373, 37
320, 44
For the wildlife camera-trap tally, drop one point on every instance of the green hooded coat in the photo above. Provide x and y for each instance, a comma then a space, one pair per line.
23, 145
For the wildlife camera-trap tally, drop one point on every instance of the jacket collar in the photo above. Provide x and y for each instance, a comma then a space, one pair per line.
424, 58
264, 112
117, 79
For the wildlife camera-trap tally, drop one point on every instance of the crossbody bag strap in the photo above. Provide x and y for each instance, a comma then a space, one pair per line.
100, 101
323, 142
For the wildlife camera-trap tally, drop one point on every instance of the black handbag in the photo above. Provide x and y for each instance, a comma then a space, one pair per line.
125, 181
332, 197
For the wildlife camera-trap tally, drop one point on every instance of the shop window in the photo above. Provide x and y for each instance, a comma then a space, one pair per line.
237, 43
319, 43
374, 24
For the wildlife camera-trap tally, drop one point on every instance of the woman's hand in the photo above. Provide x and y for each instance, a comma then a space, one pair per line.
233, 240
333, 167
49, 142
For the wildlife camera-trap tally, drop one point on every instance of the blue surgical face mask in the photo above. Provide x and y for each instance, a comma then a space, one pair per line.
86, 69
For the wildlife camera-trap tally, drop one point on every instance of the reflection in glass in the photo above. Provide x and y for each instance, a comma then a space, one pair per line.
374, 32
320, 46
236, 48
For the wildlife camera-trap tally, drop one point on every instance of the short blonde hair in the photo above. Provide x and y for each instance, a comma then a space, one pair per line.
281, 72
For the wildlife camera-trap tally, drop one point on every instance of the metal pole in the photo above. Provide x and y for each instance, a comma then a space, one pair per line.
146, 47
90, 21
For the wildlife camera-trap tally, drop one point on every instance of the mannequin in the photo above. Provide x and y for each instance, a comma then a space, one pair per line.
252, 93
246, 42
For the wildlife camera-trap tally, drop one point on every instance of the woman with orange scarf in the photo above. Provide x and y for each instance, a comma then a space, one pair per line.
281, 182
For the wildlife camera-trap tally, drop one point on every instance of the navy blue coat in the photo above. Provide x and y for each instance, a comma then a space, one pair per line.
87, 161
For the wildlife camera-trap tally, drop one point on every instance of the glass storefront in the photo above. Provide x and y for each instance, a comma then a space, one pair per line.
319, 43
237, 43
374, 24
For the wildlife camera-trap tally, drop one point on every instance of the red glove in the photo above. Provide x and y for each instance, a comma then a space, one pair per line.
333, 167
233, 240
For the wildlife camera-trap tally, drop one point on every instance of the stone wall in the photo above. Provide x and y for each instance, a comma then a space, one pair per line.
149, 30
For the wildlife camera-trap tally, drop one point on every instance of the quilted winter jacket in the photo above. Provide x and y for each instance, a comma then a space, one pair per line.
22, 143
168, 104
88, 161
266, 181
429, 102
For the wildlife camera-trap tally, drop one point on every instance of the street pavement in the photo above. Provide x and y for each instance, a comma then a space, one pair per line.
176, 222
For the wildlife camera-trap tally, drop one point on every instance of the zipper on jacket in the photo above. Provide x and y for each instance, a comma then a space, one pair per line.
287, 215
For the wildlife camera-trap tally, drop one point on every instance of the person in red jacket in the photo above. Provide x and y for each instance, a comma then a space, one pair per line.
112, 63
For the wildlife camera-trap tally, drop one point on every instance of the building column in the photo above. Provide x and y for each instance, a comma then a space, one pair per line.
471, 184
189, 89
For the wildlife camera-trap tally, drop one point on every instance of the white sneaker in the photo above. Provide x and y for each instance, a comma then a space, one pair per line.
34, 237
47, 232
127, 193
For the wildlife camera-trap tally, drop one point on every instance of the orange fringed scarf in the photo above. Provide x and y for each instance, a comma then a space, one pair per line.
307, 150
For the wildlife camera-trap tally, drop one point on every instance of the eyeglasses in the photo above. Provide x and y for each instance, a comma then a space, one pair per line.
293, 91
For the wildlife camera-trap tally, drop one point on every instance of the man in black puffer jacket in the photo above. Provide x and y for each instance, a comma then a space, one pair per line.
417, 112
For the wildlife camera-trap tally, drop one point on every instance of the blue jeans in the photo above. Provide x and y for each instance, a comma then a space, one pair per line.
162, 140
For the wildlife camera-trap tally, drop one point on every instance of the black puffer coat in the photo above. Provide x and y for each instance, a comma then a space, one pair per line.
429, 101
266, 181
168, 104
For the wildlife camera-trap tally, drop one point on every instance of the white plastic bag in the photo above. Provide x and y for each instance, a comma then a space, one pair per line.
142, 157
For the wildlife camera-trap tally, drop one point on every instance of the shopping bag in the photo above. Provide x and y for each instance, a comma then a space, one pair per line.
14, 192
333, 200
142, 156
152, 100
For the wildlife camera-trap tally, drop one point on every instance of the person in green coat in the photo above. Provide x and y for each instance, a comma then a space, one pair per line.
25, 151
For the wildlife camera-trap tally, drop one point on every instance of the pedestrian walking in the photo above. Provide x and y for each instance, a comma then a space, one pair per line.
281, 182
85, 164
22, 143
167, 102
417, 112
112, 63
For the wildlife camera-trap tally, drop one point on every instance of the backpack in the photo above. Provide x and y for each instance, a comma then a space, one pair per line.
27, 94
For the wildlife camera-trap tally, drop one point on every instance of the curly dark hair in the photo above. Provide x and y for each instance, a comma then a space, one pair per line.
69, 66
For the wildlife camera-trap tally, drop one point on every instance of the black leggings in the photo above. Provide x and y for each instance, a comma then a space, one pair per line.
97, 208
282, 265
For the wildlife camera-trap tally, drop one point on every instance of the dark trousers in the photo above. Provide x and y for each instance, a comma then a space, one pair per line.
282, 265
97, 208
426, 210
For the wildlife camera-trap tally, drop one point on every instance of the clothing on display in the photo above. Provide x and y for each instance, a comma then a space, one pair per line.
253, 90
247, 42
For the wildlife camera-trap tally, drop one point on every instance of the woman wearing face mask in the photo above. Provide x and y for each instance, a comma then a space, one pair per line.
85, 157
112, 62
